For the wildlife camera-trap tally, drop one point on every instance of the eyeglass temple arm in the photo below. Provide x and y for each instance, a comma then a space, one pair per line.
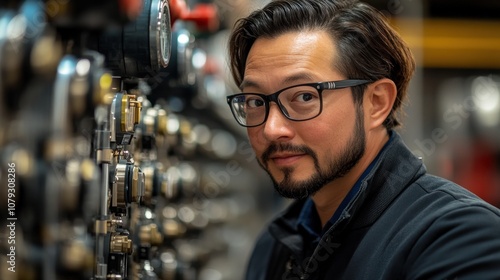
344, 84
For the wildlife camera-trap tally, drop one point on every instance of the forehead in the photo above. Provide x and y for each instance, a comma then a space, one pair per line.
302, 56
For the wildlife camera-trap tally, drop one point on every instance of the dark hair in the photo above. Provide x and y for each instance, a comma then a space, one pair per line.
368, 48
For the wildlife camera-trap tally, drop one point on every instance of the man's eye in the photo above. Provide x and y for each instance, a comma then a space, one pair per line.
305, 96
255, 102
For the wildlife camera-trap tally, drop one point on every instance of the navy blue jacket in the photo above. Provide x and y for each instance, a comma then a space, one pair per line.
402, 224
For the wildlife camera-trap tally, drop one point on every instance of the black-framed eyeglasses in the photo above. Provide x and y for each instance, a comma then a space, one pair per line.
297, 103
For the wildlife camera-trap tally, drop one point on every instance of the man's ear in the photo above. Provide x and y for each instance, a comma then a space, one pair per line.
380, 99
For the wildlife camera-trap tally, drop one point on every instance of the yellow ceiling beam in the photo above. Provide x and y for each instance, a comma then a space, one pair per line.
449, 43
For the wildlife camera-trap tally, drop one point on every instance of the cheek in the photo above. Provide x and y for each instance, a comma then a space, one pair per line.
338, 113
330, 131
331, 127
255, 140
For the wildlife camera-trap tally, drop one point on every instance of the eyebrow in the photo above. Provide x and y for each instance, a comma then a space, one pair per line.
248, 83
295, 78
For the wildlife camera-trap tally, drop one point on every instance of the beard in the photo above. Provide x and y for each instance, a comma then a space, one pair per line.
336, 167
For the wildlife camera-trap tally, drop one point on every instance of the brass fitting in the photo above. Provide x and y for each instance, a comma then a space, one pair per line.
121, 244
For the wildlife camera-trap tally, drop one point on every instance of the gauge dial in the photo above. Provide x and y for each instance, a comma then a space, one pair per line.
160, 34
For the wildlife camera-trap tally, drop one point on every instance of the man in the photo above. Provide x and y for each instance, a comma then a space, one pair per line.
323, 82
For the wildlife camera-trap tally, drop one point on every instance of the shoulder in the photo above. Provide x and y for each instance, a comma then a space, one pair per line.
458, 233
434, 204
447, 196
425, 204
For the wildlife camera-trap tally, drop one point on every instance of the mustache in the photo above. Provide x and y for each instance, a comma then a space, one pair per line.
285, 147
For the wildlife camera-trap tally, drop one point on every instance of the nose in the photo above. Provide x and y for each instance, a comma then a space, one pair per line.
277, 127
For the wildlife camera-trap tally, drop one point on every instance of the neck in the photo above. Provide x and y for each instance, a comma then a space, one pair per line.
328, 199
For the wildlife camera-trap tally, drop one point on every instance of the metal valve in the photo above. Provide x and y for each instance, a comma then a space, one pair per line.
128, 186
125, 115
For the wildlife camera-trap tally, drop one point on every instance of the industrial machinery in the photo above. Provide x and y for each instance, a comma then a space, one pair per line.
106, 178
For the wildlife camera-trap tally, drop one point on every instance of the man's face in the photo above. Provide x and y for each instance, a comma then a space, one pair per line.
302, 157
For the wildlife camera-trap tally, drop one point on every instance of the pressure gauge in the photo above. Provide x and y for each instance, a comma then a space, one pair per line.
141, 48
160, 34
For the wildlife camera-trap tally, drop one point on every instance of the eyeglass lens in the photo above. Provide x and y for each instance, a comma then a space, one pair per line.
297, 103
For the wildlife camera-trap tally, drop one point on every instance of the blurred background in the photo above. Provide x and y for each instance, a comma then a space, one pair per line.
129, 164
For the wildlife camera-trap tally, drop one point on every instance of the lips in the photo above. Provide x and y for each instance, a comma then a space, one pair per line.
285, 159
284, 154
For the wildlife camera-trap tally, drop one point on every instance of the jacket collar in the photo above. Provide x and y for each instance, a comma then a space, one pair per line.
395, 170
